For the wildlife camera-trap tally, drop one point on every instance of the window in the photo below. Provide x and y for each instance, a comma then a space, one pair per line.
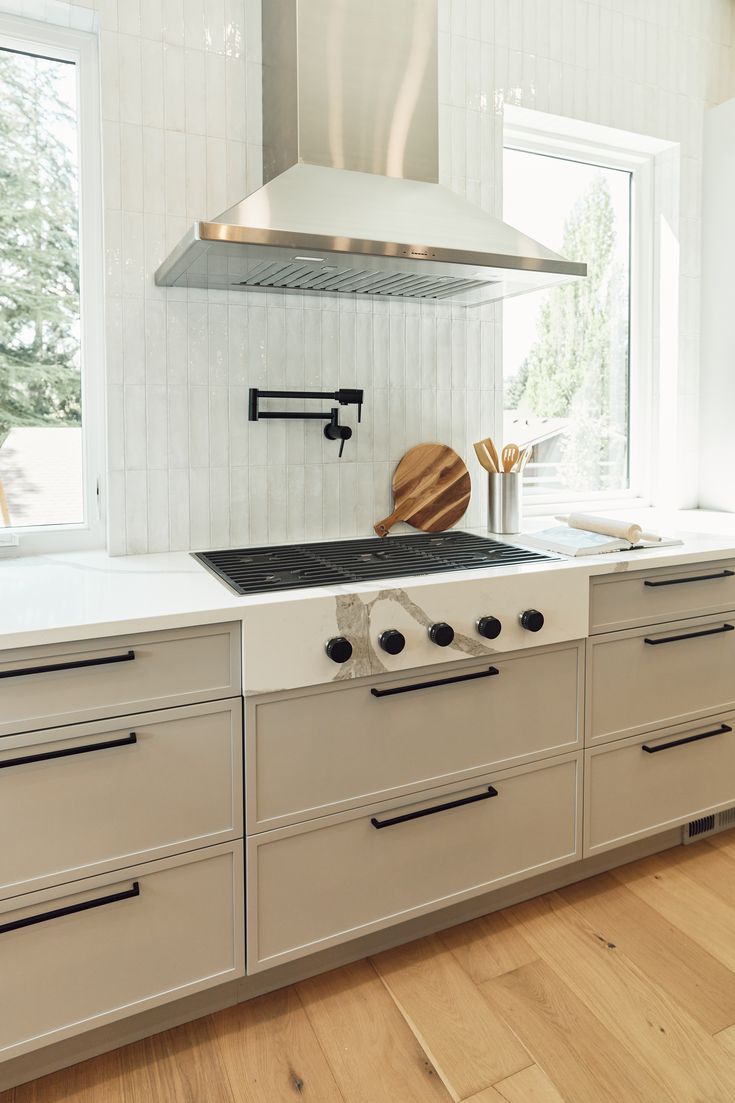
576, 368
50, 419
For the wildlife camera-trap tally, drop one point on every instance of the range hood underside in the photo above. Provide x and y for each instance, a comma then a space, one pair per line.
337, 232
234, 258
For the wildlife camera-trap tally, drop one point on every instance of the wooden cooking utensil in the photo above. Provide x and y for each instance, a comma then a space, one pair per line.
4, 511
510, 456
484, 457
492, 452
431, 489
525, 457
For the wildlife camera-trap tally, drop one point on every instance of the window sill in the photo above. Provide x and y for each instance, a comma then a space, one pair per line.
545, 510
58, 539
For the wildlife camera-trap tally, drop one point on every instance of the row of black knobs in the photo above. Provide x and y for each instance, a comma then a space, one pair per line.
339, 649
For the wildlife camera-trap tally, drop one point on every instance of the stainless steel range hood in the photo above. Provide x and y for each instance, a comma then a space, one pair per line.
351, 203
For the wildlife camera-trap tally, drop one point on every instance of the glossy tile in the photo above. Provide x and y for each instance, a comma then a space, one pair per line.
181, 104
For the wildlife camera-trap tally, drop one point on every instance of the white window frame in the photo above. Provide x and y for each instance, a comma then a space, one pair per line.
79, 47
538, 132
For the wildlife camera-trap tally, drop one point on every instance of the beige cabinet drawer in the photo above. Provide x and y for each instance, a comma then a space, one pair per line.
80, 800
107, 947
652, 597
655, 677
313, 751
334, 879
644, 785
72, 682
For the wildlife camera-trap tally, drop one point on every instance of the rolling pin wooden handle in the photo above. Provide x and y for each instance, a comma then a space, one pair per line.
383, 527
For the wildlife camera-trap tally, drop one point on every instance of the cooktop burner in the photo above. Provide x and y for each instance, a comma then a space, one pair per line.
297, 566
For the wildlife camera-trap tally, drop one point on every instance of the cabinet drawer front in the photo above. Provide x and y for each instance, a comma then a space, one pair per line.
43, 687
340, 877
100, 796
153, 933
651, 597
644, 785
311, 752
655, 677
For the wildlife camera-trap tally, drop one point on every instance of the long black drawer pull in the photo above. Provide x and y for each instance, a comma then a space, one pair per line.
128, 741
77, 665
491, 792
688, 739
442, 682
692, 578
44, 917
692, 635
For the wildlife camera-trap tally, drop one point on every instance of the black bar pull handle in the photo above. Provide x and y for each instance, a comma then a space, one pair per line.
45, 756
491, 670
491, 792
76, 665
691, 578
72, 909
723, 728
691, 635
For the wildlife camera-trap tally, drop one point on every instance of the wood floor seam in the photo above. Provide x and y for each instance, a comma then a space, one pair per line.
316, 1036
422, 1042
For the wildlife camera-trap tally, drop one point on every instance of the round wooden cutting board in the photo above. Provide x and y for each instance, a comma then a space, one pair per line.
431, 489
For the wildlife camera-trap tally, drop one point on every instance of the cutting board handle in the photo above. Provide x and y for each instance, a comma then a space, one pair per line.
383, 527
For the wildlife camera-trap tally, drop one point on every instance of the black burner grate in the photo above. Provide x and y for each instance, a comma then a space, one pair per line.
299, 566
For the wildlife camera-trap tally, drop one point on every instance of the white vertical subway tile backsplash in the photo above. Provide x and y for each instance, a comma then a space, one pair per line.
182, 132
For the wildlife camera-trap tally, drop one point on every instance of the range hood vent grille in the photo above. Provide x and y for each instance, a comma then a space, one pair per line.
339, 278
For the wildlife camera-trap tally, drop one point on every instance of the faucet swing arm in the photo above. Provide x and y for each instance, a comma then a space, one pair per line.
345, 396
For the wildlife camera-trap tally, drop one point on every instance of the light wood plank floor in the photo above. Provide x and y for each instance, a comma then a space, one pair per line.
620, 989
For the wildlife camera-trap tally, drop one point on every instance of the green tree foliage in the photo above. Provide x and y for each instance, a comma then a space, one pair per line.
577, 367
39, 260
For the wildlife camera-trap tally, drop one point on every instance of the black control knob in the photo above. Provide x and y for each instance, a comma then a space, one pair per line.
532, 620
339, 649
441, 634
392, 641
489, 627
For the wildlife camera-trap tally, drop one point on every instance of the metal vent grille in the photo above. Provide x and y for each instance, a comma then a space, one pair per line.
708, 825
726, 819
301, 276
339, 562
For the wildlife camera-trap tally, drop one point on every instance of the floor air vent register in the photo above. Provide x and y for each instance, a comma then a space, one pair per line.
713, 824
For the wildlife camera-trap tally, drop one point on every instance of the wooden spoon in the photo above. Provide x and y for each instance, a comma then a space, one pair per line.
510, 455
525, 457
492, 451
485, 458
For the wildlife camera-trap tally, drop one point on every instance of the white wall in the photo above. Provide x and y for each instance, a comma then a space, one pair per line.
180, 83
717, 408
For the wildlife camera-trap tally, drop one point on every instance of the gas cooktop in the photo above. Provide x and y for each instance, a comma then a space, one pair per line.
298, 566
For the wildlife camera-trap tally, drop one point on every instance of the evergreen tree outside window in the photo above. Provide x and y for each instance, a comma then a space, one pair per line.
42, 468
567, 351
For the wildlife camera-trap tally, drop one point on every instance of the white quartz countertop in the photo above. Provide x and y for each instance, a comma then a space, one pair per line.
87, 595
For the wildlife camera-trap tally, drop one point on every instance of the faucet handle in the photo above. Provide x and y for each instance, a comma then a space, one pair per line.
334, 431
345, 433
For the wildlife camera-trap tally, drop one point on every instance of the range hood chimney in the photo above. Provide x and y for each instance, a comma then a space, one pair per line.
351, 204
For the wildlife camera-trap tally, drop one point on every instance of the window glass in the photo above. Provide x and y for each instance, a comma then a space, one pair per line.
41, 478
566, 352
